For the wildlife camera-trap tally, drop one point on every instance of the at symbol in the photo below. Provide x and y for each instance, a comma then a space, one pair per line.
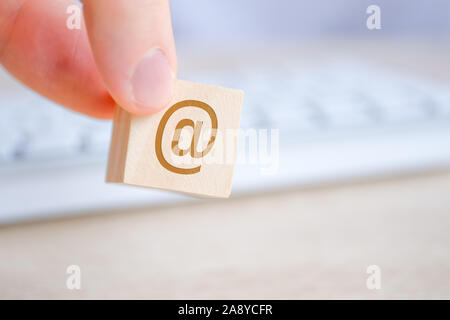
181, 124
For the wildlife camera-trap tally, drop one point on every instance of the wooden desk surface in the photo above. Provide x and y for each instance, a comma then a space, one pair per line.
301, 243
304, 243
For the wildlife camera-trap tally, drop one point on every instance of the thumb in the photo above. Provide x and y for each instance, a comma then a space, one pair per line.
133, 47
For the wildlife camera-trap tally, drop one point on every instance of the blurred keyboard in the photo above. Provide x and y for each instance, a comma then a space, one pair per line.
305, 104
335, 122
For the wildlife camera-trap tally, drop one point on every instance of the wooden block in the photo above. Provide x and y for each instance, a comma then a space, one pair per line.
188, 147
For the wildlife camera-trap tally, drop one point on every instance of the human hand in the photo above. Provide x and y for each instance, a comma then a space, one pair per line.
123, 53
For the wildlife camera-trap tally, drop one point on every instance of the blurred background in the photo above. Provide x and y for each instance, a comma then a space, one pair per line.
294, 21
357, 172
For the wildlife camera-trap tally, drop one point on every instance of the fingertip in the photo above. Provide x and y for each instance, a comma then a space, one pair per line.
151, 83
137, 61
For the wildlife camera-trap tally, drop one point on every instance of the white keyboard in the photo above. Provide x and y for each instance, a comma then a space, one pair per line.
336, 122
306, 104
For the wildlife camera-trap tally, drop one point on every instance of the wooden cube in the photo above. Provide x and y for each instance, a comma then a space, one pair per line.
188, 147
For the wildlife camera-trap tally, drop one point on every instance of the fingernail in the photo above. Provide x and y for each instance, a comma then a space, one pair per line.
152, 81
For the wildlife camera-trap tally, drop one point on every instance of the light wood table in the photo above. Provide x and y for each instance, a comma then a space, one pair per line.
304, 243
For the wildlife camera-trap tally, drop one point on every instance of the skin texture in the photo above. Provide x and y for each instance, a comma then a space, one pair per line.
109, 60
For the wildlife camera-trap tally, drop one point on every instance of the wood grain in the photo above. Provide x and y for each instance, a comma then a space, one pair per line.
145, 151
297, 244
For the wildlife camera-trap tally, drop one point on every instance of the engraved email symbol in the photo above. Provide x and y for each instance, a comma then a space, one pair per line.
196, 126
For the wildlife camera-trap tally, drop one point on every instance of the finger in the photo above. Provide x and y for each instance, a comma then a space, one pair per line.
133, 46
39, 49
